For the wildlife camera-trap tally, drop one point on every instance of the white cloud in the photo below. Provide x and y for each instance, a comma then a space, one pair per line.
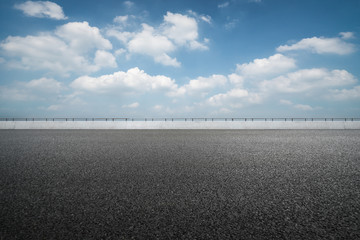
322, 45
159, 42
121, 19
123, 37
206, 18
234, 98
150, 43
132, 81
183, 30
304, 107
68, 50
273, 65
223, 5
43, 52
132, 105
64, 101
345, 94
120, 52
48, 85
220, 98
195, 45
166, 60
236, 79
347, 35
104, 59
129, 4
81, 37
203, 85
42, 9
308, 79
37, 89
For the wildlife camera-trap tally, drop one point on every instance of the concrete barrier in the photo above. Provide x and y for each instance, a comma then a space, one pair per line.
179, 125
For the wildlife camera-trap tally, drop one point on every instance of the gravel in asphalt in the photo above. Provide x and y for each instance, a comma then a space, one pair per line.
180, 184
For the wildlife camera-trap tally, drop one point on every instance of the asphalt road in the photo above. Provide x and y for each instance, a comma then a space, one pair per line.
179, 184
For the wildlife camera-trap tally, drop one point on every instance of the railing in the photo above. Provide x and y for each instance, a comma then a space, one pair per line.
183, 119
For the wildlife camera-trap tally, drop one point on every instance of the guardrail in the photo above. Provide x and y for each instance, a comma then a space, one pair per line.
183, 119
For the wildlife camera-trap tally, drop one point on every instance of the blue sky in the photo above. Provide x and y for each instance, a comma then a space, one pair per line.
180, 58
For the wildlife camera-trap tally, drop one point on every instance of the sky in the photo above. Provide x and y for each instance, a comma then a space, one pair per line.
180, 58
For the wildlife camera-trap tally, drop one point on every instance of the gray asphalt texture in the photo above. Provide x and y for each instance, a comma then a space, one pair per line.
179, 184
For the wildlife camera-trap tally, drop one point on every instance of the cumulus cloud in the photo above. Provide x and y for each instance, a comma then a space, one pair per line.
42, 9
69, 49
236, 79
81, 37
159, 42
203, 85
104, 59
150, 43
132, 81
308, 79
322, 45
345, 94
234, 98
181, 29
43, 52
273, 65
